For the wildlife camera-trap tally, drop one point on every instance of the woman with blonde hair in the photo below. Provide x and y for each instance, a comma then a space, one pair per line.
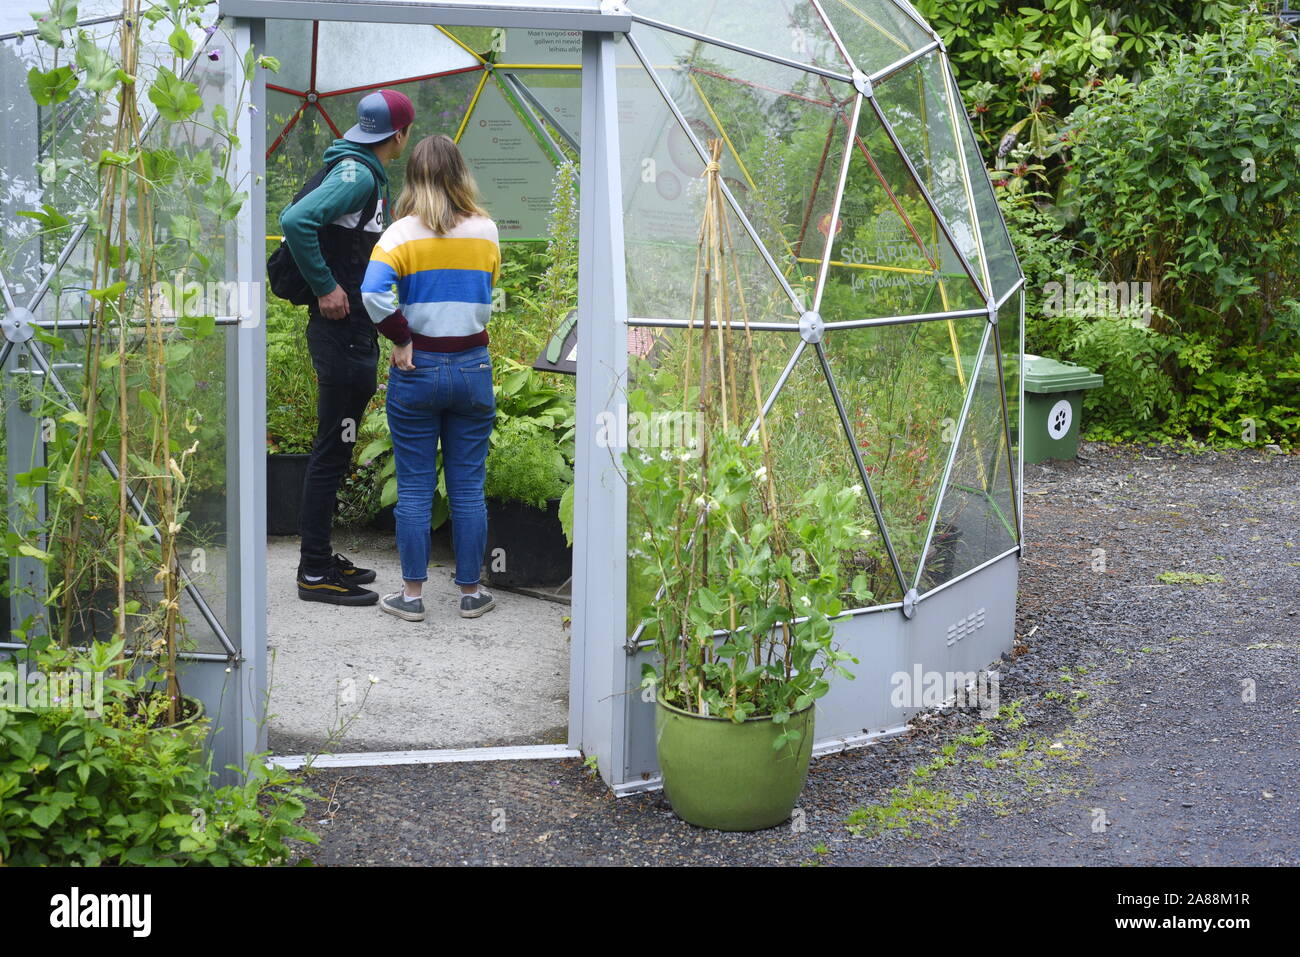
428, 288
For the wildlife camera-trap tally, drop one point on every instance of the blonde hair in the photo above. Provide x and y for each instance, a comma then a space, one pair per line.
439, 188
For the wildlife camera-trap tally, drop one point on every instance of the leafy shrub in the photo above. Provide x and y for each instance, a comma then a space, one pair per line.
526, 466
79, 788
1191, 179
1047, 255
1024, 72
290, 379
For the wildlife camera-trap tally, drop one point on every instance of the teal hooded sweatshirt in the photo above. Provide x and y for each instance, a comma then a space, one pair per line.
343, 192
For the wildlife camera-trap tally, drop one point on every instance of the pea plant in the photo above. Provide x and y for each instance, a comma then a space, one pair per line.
137, 161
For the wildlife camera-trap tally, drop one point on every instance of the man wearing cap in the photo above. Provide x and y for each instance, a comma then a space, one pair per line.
330, 231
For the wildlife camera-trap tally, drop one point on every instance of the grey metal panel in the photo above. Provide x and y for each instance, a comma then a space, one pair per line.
597, 661
245, 730
573, 15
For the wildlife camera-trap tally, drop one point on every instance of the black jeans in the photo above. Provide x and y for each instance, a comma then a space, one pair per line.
345, 354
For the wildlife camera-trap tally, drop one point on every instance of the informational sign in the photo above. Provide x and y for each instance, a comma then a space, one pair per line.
557, 95
513, 171
550, 47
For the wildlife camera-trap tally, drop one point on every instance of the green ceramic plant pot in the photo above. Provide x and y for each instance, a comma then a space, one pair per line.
728, 776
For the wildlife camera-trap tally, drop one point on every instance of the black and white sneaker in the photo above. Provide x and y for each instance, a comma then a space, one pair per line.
351, 573
408, 609
333, 590
474, 606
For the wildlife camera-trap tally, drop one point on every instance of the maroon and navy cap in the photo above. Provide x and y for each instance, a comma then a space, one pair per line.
380, 115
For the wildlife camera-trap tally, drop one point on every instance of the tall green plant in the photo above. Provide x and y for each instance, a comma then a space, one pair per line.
147, 197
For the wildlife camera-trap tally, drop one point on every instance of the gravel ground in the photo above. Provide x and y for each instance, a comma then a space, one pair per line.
1143, 722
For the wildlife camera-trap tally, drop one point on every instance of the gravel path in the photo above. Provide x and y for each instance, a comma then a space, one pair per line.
1145, 720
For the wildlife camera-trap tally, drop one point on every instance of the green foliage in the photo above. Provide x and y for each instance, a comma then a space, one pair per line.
86, 789
744, 624
525, 465
1024, 72
290, 380
1191, 179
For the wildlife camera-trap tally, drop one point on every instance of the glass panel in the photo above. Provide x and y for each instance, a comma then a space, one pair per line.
50, 155
790, 29
976, 520
784, 132
664, 202
925, 119
365, 54
891, 258
556, 96
809, 447
667, 365
159, 392
1002, 263
1010, 330
297, 155
20, 185
875, 34
290, 41
903, 388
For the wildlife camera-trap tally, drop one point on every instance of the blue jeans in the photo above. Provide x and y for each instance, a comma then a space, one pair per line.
447, 396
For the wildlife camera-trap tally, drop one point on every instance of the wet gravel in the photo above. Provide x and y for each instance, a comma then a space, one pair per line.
1144, 722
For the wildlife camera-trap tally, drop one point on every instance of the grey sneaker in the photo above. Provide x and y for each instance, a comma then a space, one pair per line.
473, 606
408, 609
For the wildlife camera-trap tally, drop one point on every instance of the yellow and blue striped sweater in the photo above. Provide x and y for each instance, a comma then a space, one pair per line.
433, 291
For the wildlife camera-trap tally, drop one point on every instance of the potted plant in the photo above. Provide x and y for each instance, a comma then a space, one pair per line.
742, 626
746, 583
527, 477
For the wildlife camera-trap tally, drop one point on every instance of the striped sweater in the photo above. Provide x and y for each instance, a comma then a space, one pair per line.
433, 291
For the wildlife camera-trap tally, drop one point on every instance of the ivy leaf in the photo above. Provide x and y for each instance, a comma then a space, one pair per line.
51, 86
175, 98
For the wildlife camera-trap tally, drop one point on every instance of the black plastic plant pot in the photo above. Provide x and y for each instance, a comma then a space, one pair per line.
284, 478
526, 546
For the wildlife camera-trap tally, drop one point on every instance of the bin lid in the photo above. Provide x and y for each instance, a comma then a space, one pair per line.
1051, 375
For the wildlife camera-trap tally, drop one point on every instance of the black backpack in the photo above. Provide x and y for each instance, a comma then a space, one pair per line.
282, 273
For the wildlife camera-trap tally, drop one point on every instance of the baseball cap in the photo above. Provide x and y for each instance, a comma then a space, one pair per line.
380, 115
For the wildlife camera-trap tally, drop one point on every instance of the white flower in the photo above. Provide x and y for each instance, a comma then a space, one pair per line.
665, 455
645, 536
645, 459
700, 501
856, 490
805, 601
761, 473
865, 533
373, 680
687, 456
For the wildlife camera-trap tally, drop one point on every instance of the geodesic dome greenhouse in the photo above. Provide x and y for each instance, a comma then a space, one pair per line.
880, 294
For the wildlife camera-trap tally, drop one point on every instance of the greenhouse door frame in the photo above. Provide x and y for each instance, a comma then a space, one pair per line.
597, 706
